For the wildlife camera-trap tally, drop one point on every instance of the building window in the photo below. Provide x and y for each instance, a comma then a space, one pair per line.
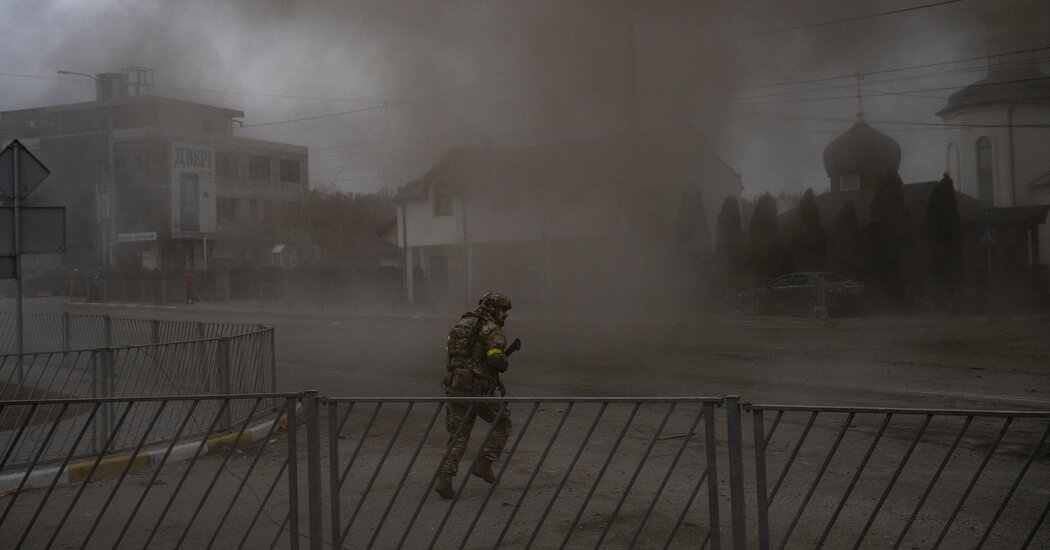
442, 199
226, 208
259, 167
226, 165
290, 170
849, 182
985, 173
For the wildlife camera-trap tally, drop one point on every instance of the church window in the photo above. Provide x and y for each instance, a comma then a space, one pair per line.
985, 173
849, 182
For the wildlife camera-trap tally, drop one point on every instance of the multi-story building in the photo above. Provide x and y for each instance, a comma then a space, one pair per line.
153, 183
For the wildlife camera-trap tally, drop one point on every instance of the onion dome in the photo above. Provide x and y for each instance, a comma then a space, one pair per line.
862, 151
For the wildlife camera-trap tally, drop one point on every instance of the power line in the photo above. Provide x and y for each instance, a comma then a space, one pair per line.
387, 104
913, 93
845, 20
900, 122
906, 68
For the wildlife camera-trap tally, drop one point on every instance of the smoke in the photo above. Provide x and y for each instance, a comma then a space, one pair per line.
379, 90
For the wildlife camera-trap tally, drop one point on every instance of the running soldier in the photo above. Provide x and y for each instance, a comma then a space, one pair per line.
476, 354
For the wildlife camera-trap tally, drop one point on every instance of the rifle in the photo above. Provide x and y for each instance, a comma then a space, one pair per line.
513, 347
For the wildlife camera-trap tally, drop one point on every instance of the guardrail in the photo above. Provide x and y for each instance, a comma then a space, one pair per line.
225, 365
205, 487
184, 358
848, 477
145, 291
48, 332
576, 472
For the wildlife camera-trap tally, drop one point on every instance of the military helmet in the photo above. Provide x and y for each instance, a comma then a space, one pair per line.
494, 301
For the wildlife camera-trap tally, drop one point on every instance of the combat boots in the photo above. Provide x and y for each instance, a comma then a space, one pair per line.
483, 469
443, 486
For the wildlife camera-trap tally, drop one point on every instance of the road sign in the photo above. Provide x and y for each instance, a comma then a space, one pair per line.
986, 236
43, 230
30, 170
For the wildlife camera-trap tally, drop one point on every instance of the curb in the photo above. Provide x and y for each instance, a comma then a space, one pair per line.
144, 462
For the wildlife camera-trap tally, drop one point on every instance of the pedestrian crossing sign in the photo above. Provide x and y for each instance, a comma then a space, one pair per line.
986, 236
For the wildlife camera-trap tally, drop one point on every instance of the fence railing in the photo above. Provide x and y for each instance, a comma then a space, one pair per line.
362, 295
144, 291
125, 358
48, 332
576, 472
224, 365
847, 477
218, 488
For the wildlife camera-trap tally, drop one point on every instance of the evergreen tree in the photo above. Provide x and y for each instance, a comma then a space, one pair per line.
690, 230
729, 240
847, 255
943, 243
890, 236
808, 245
765, 256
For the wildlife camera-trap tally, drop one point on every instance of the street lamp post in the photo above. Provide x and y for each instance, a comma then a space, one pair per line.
104, 195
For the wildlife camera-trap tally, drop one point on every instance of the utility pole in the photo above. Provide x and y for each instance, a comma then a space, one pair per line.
104, 191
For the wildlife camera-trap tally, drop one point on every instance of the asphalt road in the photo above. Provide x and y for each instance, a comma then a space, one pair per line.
914, 361
956, 362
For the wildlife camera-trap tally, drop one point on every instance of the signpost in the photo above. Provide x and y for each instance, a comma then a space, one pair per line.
33, 230
986, 236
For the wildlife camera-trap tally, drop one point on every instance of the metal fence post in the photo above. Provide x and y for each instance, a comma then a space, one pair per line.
712, 476
313, 469
107, 331
66, 332
736, 472
156, 330
102, 388
762, 498
273, 360
222, 353
293, 475
333, 472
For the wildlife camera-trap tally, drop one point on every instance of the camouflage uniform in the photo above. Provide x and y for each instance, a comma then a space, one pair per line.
474, 360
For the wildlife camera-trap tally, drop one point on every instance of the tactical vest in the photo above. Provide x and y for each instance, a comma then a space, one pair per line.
461, 339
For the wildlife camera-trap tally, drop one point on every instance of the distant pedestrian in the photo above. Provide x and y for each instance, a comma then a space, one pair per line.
187, 278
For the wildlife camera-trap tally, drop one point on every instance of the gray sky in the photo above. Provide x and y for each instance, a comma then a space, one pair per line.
378, 89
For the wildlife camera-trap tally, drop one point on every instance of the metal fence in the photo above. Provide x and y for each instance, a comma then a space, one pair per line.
319, 295
218, 489
594, 473
197, 358
145, 291
847, 477
576, 473
48, 332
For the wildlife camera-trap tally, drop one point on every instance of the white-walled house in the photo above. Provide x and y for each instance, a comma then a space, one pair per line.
563, 226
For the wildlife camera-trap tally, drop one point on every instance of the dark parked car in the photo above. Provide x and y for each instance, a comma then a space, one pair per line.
803, 292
